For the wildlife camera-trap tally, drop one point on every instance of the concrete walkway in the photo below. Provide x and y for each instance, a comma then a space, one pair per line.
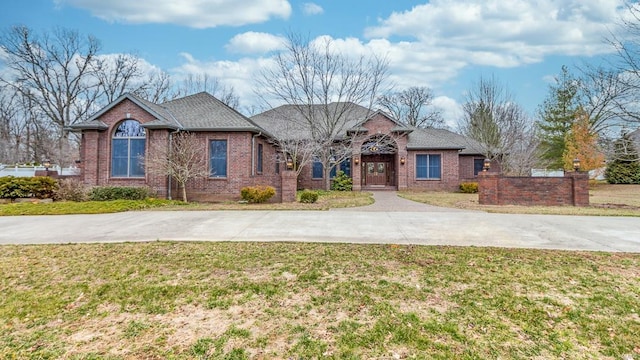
422, 224
389, 201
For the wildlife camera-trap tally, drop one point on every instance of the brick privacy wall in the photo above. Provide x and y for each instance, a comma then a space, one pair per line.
96, 157
572, 189
449, 179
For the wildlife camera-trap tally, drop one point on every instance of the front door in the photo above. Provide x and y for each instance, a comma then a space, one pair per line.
377, 173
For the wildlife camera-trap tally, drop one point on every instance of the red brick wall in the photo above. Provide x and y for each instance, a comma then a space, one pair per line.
573, 189
241, 172
449, 179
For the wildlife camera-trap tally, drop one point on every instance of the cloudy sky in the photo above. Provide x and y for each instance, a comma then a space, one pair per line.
443, 44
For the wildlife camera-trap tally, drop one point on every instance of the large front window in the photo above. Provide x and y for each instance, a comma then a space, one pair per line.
427, 166
218, 158
127, 150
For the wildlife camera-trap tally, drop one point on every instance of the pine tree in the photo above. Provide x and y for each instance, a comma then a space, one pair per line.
625, 167
556, 118
582, 143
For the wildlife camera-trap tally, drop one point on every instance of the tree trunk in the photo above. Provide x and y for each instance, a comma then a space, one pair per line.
184, 191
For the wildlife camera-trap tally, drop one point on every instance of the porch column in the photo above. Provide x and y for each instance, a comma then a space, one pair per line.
356, 174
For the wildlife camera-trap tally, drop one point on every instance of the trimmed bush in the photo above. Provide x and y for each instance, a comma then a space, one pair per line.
41, 187
308, 197
107, 193
342, 182
257, 194
469, 187
71, 190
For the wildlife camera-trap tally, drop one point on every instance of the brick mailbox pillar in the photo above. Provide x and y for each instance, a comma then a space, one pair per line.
580, 187
488, 188
289, 186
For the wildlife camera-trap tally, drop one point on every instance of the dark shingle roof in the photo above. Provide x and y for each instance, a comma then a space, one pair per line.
202, 111
198, 112
287, 121
432, 138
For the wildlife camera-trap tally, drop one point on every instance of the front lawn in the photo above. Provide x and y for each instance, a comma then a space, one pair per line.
168, 300
85, 207
605, 200
326, 200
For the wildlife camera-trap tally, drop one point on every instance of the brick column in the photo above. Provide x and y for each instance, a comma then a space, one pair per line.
488, 188
89, 158
579, 187
289, 186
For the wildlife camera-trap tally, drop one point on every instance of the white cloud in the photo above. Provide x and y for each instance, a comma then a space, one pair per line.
192, 13
240, 74
451, 110
504, 33
312, 9
255, 43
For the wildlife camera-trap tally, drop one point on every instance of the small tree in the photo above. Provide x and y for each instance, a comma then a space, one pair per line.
183, 160
582, 143
625, 167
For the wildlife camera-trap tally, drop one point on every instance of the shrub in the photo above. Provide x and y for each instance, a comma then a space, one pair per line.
308, 197
71, 190
257, 194
107, 193
469, 187
41, 187
342, 182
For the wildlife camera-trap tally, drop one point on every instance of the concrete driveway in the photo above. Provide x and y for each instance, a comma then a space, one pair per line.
390, 220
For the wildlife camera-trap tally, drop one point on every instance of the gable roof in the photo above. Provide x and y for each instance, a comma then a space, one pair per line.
197, 112
432, 139
284, 122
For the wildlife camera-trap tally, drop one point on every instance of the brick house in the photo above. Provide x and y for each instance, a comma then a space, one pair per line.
240, 153
116, 138
385, 153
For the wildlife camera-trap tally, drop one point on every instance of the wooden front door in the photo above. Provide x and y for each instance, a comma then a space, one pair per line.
377, 173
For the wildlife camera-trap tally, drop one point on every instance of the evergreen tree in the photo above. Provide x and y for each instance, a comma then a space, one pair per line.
625, 167
557, 115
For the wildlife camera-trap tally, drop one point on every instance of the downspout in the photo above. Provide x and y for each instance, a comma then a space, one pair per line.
170, 150
253, 153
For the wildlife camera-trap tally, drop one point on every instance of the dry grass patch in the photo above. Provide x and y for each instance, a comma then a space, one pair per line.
292, 300
605, 200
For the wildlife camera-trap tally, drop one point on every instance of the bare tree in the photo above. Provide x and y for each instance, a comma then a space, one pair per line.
56, 72
627, 47
183, 160
413, 106
117, 75
194, 83
325, 87
156, 88
496, 122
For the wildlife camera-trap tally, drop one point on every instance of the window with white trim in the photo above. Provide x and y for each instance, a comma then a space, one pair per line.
428, 166
127, 150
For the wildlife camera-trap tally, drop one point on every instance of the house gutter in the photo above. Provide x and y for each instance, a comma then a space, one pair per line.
170, 150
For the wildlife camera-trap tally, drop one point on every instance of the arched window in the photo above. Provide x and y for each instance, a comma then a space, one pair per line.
127, 150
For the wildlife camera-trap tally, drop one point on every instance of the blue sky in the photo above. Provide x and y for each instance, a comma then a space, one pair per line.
443, 44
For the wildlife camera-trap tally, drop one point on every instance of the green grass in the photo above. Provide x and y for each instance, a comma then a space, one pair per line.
293, 300
605, 200
327, 200
87, 207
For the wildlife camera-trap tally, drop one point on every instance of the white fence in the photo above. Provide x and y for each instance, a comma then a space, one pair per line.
27, 171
